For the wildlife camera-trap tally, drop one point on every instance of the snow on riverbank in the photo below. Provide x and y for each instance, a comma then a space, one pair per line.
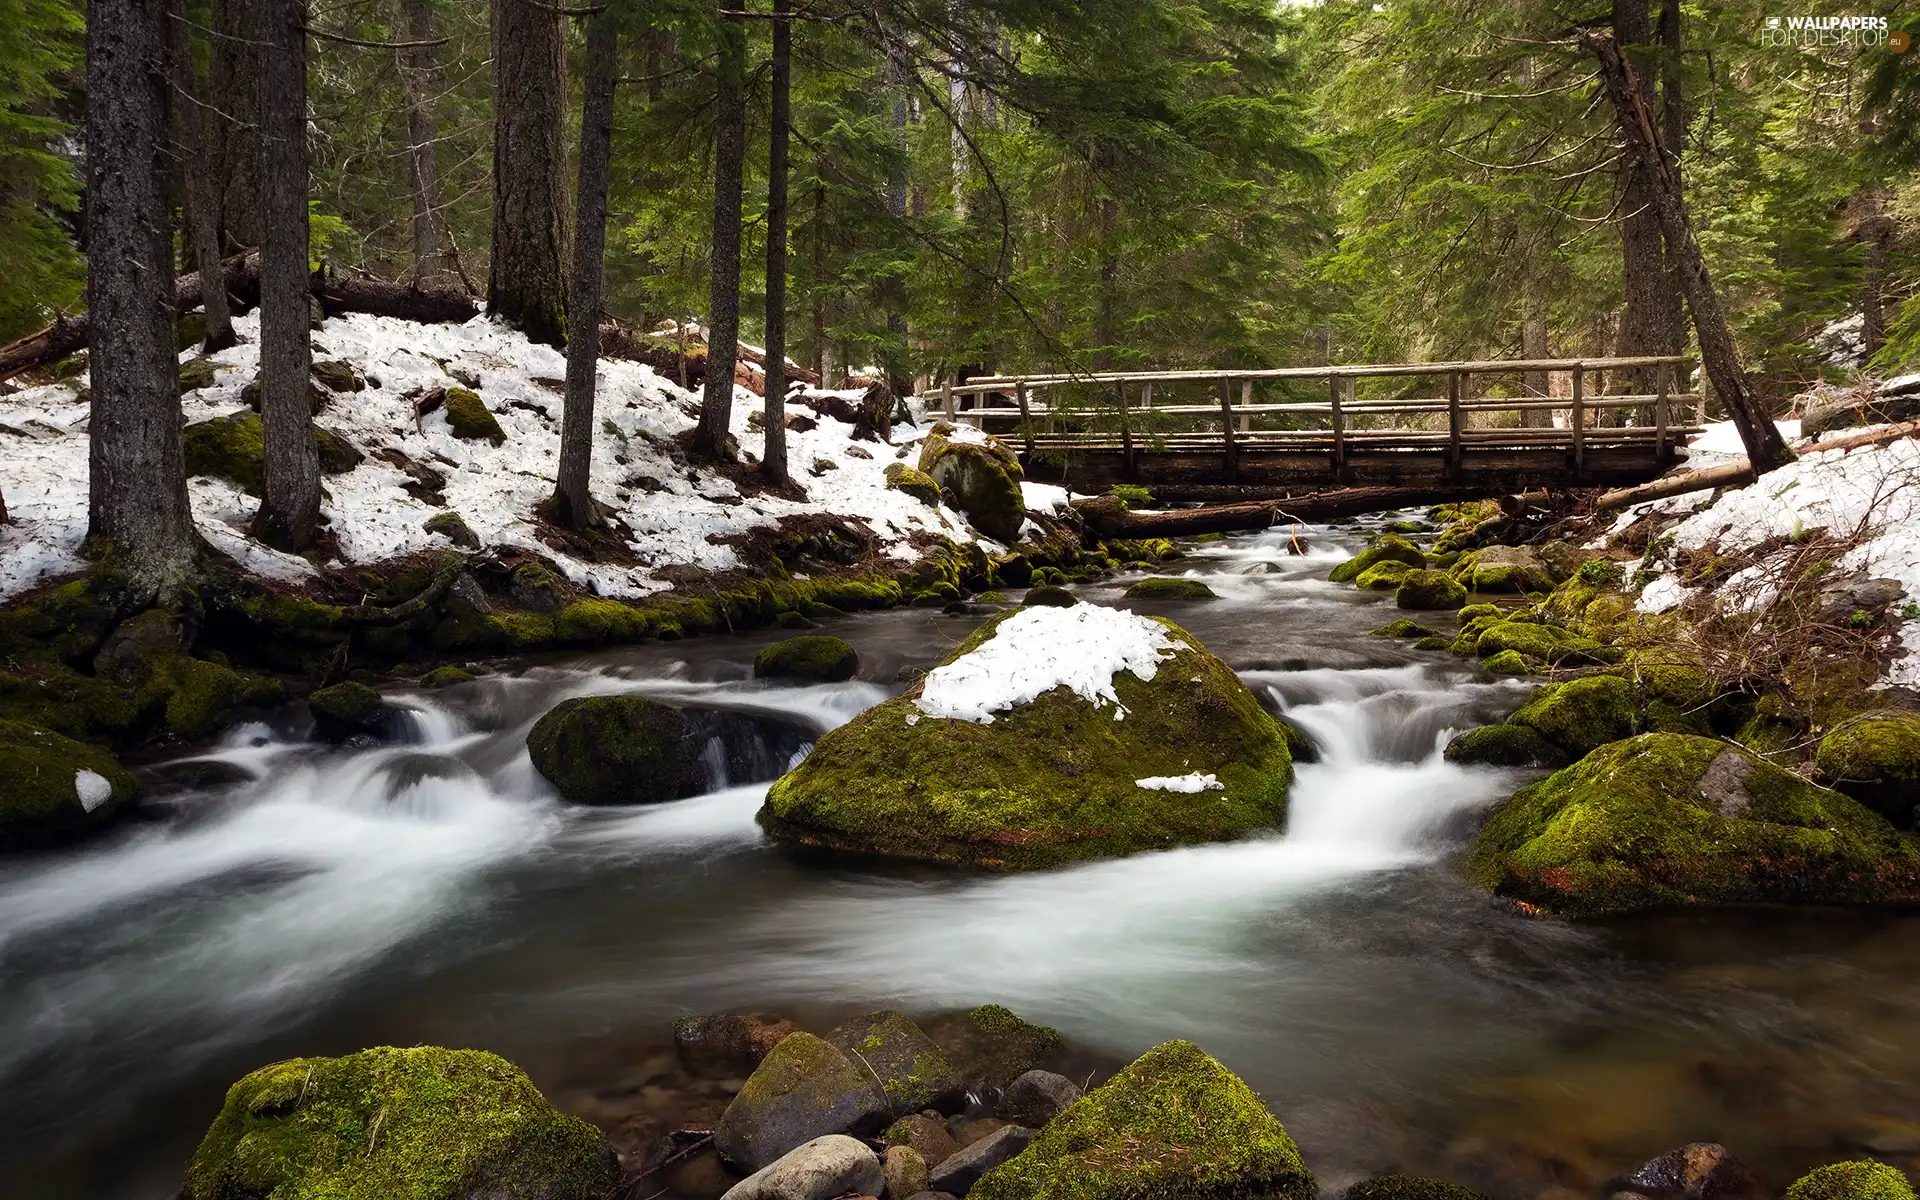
1871, 494
676, 512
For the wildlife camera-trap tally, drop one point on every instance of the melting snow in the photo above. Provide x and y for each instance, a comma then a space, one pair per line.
1189, 784
92, 787
1038, 649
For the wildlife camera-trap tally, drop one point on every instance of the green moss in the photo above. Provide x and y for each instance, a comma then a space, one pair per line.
1436, 642
1048, 594
993, 597
441, 677
1582, 714
1162, 588
196, 373
1474, 612
391, 1124
1174, 1125
470, 419
454, 528
1507, 662
339, 376
502, 632
347, 703
1601, 573
1382, 576
1861, 1180
1048, 782
200, 696
53, 788
1502, 569
1205, 538
913, 482
1545, 643
1410, 1187
1132, 495
1505, 746
612, 750
1429, 591
232, 448
1875, 760
817, 658
983, 479
911, 1069
1404, 627
1388, 547
1665, 819
991, 1045
1144, 550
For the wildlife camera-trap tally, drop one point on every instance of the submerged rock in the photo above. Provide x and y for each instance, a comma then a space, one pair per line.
1048, 736
911, 1069
417, 1124
826, 1167
631, 750
1876, 760
728, 1041
980, 476
1669, 819
53, 788
816, 658
804, 1089
1175, 1123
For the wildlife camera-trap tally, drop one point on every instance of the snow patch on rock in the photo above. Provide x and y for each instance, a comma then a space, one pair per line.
1189, 784
92, 787
1038, 649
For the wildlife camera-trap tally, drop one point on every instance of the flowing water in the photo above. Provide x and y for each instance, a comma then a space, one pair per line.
297, 899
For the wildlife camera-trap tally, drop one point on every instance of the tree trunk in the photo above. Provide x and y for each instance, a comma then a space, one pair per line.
1673, 126
1652, 314
235, 83
526, 285
1533, 344
1765, 447
723, 316
416, 76
899, 75
774, 457
573, 495
1875, 232
137, 483
194, 126
290, 514
818, 242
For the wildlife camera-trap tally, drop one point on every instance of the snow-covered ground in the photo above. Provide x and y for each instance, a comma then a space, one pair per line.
675, 512
1872, 492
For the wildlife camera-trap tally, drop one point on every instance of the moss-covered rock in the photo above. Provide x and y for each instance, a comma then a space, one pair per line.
390, 1124
196, 373
1388, 547
1474, 612
1582, 714
1174, 1125
912, 1070
1666, 819
1436, 642
805, 1088
1383, 576
231, 448
1049, 595
1410, 1187
1404, 627
1164, 588
1876, 760
1429, 591
1542, 643
1505, 746
470, 419
1860, 1180
441, 677
817, 658
1048, 781
348, 710
1507, 662
981, 476
615, 750
454, 528
338, 375
914, 482
53, 788
1503, 569
991, 1046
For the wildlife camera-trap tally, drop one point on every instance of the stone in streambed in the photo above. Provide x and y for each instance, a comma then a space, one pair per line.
1165, 588
905, 1170
727, 1043
1852, 1181
1038, 1097
1698, 1171
963, 1169
1175, 1123
992, 1046
1876, 760
415, 1124
815, 658
1384, 576
53, 788
354, 710
1581, 715
912, 1071
631, 750
804, 1089
826, 1167
1428, 591
1503, 569
1505, 746
979, 476
1388, 547
926, 1134
1049, 595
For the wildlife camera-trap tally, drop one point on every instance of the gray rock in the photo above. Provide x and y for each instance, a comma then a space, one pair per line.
905, 1170
961, 1171
926, 1134
1038, 1097
911, 1069
728, 1042
834, 1165
804, 1089
1853, 592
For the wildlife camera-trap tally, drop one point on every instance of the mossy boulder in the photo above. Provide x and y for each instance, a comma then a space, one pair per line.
1876, 760
1049, 595
1383, 576
1860, 1180
912, 1070
470, 419
338, 375
1174, 1125
353, 710
1664, 820
1429, 591
1388, 547
231, 448
391, 1124
1403, 627
1474, 612
1582, 714
616, 750
1163, 588
197, 373
1537, 642
53, 788
1051, 780
1505, 746
1410, 1187
991, 1046
1503, 569
914, 482
982, 478
454, 528
805, 1088
816, 658
441, 677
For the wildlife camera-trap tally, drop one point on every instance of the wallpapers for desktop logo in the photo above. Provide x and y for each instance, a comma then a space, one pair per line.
1847, 33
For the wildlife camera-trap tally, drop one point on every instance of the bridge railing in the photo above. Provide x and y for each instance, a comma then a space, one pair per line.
1147, 410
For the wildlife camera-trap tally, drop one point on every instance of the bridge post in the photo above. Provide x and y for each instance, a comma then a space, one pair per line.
946, 399
1232, 451
1335, 386
1026, 415
1660, 417
1455, 419
1579, 419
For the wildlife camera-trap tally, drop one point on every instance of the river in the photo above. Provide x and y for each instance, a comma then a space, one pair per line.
1394, 1018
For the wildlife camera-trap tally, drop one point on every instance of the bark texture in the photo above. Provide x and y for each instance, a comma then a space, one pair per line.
1652, 312
193, 126
290, 514
416, 75
573, 494
723, 307
236, 92
137, 484
773, 460
1644, 143
526, 282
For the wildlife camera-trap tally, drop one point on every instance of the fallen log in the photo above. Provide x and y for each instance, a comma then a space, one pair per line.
69, 335
1739, 473
1105, 515
429, 306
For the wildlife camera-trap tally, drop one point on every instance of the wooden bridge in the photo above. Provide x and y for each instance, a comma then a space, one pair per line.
1416, 425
